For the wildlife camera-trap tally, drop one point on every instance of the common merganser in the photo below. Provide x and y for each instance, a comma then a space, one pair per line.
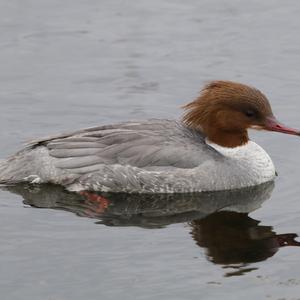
208, 150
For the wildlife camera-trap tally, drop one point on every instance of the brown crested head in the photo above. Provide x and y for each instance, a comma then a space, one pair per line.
225, 110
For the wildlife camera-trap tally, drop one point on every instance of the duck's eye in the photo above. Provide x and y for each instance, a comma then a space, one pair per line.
249, 113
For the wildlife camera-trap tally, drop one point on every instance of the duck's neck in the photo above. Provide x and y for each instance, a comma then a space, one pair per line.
227, 138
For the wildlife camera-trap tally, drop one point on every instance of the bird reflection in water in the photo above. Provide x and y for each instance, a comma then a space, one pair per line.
219, 220
235, 240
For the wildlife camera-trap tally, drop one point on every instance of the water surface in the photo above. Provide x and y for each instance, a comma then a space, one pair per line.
71, 64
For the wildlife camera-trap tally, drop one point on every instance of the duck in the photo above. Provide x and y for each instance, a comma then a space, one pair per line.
208, 149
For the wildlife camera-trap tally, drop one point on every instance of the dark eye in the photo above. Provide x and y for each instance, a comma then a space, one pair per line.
249, 113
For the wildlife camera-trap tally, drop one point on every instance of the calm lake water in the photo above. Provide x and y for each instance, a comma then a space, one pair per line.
70, 64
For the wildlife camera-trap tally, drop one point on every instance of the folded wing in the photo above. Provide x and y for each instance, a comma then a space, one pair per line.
152, 144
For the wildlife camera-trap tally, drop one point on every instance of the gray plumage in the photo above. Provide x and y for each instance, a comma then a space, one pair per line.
151, 156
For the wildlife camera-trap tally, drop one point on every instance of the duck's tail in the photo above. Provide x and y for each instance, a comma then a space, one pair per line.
10, 171
3, 167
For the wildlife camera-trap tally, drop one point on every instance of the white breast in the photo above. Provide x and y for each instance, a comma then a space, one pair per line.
255, 164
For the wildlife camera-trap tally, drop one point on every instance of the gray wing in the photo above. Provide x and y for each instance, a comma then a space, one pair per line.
152, 144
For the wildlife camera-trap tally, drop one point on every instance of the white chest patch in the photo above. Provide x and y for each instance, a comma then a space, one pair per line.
252, 159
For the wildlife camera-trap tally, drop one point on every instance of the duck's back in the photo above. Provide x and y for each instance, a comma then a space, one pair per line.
122, 157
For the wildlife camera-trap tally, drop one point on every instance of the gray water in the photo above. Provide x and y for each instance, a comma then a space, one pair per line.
70, 64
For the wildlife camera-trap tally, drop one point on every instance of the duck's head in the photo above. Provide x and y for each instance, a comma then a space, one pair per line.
225, 110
